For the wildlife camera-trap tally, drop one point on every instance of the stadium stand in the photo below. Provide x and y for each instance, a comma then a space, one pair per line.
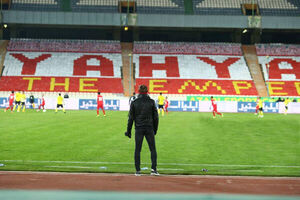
281, 67
82, 46
160, 7
143, 6
192, 68
36, 5
277, 50
202, 7
187, 48
108, 6
280, 7
217, 7
3, 45
233, 7
56, 65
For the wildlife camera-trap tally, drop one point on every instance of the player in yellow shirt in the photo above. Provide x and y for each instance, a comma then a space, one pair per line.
161, 101
18, 100
286, 105
23, 102
60, 102
260, 107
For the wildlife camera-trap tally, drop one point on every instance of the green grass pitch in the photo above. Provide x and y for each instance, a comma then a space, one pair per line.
187, 142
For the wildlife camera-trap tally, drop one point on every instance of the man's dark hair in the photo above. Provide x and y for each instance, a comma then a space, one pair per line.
134, 93
143, 89
59, 94
12, 91
160, 93
211, 97
98, 92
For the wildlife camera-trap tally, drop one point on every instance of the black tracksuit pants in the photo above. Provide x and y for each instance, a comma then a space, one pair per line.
139, 137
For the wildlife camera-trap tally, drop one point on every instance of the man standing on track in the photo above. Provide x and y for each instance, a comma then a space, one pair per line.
215, 109
100, 104
10, 101
144, 113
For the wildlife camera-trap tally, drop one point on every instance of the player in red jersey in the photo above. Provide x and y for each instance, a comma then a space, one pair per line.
11, 99
100, 104
42, 104
166, 104
214, 105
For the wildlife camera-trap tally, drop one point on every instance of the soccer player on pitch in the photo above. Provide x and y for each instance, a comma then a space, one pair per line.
10, 101
60, 102
260, 107
42, 104
132, 98
18, 100
286, 105
100, 104
166, 104
31, 101
23, 102
257, 107
161, 101
215, 109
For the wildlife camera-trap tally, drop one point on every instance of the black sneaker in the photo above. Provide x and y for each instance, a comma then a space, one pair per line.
138, 173
154, 172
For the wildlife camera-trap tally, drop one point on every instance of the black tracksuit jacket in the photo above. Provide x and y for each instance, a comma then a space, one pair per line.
144, 113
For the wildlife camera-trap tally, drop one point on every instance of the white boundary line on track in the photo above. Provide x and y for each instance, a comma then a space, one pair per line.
129, 163
162, 175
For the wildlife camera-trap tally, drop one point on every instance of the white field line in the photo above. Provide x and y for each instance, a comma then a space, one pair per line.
244, 170
171, 169
131, 163
80, 167
84, 167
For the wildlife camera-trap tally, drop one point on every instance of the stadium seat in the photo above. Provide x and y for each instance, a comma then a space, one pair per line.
283, 60
63, 65
201, 7
192, 68
33, 5
233, 7
110, 6
160, 7
89, 46
283, 72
